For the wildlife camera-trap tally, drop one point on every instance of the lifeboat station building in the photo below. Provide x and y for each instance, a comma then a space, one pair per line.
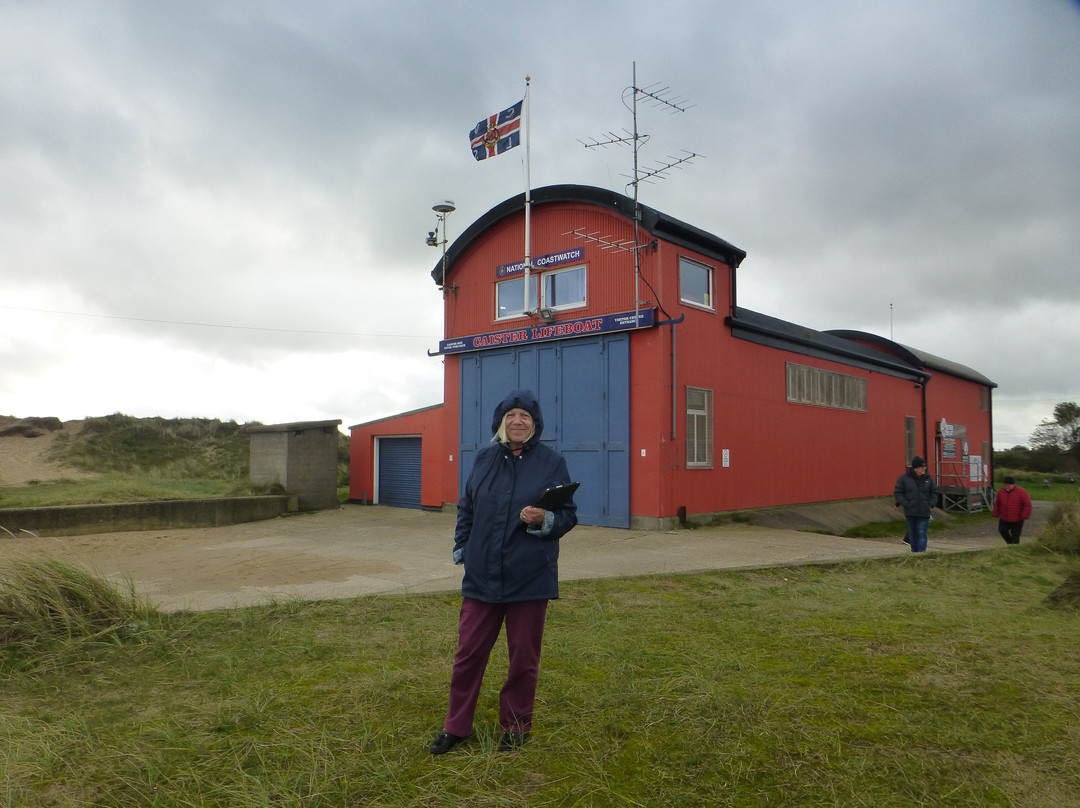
667, 399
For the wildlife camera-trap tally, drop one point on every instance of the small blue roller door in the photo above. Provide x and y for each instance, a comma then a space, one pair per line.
399, 472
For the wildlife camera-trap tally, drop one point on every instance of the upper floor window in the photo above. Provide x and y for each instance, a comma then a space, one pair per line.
510, 297
561, 289
695, 283
564, 288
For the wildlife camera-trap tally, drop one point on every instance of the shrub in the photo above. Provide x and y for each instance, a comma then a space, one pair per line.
1068, 594
45, 601
181, 448
1062, 531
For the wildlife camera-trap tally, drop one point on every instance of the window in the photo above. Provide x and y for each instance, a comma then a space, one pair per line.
699, 432
695, 284
825, 388
564, 288
510, 297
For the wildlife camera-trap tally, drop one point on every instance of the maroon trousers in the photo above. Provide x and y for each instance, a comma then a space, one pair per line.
478, 628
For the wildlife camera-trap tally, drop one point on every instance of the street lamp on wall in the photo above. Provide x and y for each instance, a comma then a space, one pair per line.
442, 210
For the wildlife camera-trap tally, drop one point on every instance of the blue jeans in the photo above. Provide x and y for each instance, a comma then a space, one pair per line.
916, 530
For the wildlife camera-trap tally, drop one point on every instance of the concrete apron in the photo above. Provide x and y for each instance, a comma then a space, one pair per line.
372, 550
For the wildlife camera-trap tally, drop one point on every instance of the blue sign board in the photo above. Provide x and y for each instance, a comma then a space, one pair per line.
544, 261
588, 326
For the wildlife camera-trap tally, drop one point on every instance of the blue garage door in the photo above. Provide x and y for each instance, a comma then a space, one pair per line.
399, 472
584, 390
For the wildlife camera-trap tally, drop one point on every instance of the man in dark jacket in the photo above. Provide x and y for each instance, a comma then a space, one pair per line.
916, 493
510, 550
1012, 506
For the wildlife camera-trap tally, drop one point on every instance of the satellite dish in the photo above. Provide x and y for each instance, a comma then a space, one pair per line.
446, 206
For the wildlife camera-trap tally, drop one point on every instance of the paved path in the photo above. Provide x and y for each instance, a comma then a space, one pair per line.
360, 550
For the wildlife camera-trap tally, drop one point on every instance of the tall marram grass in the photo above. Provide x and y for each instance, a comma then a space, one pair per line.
1062, 531
178, 447
45, 603
1062, 535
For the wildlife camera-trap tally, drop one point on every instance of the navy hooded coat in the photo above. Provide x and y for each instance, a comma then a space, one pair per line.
506, 561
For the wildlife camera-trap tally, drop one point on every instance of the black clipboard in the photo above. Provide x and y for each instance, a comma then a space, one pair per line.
556, 496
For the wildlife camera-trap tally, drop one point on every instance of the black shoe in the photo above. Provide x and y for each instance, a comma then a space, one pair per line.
444, 742
511, 741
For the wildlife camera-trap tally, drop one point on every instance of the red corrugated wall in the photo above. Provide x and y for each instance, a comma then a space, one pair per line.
959, 402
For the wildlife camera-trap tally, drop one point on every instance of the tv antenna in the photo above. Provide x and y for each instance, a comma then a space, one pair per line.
661, 97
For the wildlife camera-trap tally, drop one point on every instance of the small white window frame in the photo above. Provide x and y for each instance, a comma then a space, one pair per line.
576, 304
710, 274
699, 420
519, 280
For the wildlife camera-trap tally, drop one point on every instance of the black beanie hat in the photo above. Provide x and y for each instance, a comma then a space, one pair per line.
1009, 481
917, 462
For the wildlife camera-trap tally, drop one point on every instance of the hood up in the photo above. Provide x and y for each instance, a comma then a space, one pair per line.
526, 400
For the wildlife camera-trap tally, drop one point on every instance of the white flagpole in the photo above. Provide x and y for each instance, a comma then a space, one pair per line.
528, 199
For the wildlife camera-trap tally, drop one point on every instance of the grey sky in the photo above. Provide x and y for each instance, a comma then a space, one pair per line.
218, 209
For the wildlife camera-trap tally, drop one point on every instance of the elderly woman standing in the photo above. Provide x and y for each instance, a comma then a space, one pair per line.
510, 550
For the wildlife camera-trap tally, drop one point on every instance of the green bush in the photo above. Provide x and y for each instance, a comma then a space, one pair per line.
1062, 531
176, 448
1068, 594
44, 602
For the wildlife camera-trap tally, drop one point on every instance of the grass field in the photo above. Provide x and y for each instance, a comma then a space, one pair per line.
1052, 487
939, 680
936, 680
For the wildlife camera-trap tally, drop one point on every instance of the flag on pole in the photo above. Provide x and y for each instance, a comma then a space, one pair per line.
497, 133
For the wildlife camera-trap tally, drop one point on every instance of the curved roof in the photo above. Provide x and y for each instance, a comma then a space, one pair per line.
831, 345
653, 221
914, 356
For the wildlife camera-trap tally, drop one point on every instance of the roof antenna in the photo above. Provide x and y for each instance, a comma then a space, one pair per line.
656, 96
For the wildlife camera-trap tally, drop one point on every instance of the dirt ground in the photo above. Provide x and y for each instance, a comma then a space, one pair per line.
23, 460
328, 554
361, 550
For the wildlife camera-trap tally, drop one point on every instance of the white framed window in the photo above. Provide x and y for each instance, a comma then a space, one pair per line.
695, 284
699, 428
825, 388
510, 297
564, 288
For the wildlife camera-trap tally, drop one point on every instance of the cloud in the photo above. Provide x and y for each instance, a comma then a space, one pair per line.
223, 194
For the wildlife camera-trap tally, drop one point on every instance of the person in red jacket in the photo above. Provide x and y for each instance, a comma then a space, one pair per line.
1012, 506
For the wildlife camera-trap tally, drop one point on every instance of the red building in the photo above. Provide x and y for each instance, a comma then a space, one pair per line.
665, 396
